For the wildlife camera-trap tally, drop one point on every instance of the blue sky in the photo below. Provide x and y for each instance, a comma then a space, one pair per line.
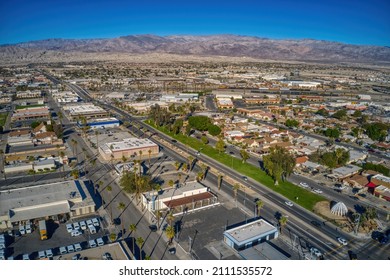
354, 21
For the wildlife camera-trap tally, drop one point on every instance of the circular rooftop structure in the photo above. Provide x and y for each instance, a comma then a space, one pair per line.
339, 209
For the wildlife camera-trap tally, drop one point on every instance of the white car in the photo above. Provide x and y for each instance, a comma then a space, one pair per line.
49, 253
89, 223
77, 247
342, 241
303, 184
76, 225
22, 230
83, 225
70, 248
28, 228
100, 241
63, 250
75, 233
92, 243
317, 191
41, 254
315, 252
95, 222
26, 257
69, 228
289, 203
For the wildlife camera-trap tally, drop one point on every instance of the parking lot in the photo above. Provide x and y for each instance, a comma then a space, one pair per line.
58, 236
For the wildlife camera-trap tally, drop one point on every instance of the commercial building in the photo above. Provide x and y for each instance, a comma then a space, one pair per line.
142, 107
65, 97
101, 123
192, 195
345, 171
86, 110
250, 234
20, 137
129, 148
180, 98
28, 94
31, 114
56, 201
224, 103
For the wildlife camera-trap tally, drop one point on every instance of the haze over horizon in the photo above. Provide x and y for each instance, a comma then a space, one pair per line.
361, 23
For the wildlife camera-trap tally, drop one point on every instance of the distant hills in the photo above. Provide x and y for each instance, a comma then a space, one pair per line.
212, 45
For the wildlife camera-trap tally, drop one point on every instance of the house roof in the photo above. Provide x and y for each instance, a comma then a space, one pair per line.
39, 127
371, 185
19, 132
300, 160
45, 134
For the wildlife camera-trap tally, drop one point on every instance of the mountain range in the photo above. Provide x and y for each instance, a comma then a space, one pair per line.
211, 45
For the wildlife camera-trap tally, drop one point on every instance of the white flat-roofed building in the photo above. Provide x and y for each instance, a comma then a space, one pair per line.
145, 106
55, 200
303, 84
130, 147
250, 234
31, 113
86, 110
345, 171
234, 134
178, 98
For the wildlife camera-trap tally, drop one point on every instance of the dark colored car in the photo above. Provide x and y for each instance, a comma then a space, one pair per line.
153, 228
316, 223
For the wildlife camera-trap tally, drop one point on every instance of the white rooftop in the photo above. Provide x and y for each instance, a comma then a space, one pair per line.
127, 144
245, 233
189, 189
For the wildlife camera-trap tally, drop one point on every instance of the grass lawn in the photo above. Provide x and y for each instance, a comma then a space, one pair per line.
306, 199
28, 106
3, 118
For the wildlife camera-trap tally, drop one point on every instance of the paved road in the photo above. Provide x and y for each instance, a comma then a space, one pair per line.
302, 216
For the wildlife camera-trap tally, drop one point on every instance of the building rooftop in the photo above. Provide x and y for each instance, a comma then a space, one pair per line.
80, 109
127, 144
346, 170
381, 178
189, 189
247, 232
43, 200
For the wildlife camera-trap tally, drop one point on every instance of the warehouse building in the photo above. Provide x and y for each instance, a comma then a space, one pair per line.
129, 148
31, 114
56, 201
250, 234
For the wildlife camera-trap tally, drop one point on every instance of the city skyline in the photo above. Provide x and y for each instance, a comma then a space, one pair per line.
362, 24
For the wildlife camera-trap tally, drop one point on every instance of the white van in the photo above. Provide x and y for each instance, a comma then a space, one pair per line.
63, 250
77, 247
95, 222
26, 257
49, 253
70, 249
92, 229
83, 225
28, 228
41, 254
92, 243
22, 230
100, 241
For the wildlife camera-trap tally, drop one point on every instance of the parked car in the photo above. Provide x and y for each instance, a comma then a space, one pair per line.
63, 250
83, 225
22, 230
92, 229
41, 255
77, 247
92, 243
26, 257
76, 257
75, 233
49, 253
315, 252
69, 228
342, 241
100, 241
317, 191
28, 228
106, 256
70, 248
76, 225
153, 228
89, 223
95, 222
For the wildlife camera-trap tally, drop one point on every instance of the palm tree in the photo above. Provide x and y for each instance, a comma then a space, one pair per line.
133, 229
109, 190
170, 233
219, 181
236, 187
149, 152
170, 218
140, 156
122, 207
158, 217
259, 205
124, 159
97, 138
177, 165
148, 258
171, 183
190, 161
282, 222
75, 173
140, 242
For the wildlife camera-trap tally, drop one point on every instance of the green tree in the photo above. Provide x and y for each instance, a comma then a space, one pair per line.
204, 139
292, 123
236, 187
376, 131
322, 112
214, 130
282, 222
259, 206
244, 155
170, 233
279, 163
357, 114
220, 146
340, 114
200, 123
133, 229
332, 133
140, 242
75, 173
